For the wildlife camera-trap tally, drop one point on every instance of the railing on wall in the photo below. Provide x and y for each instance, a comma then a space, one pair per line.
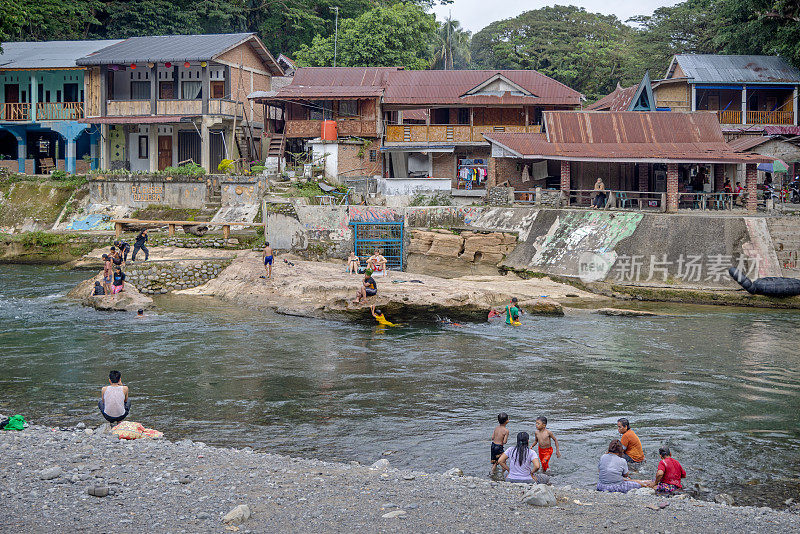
728, 116
449, 133
15, 111
770, 117
59, 111
616, 199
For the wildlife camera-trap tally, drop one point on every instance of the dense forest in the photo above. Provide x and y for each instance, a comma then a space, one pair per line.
590, 52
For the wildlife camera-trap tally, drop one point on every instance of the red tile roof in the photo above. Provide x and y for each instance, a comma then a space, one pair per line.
626, 136
618, 100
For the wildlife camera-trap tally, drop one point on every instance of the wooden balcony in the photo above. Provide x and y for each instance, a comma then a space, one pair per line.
309, 128
59, 111
128, 108
756, 117
15, 112
449, 133
179, 107
194, 107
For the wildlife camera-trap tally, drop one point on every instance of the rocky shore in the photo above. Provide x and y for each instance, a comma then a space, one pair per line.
86, 480
325, 289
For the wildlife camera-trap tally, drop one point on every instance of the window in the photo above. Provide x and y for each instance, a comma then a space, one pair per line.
348, 109
321, 110
217, 89
463, 115
166, 90
140, 90
373, 156
143, 147
70, 92
191, 90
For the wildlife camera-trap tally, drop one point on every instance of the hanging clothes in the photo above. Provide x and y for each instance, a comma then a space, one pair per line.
526, 174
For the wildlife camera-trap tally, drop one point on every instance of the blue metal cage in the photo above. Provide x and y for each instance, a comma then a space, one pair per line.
385, 236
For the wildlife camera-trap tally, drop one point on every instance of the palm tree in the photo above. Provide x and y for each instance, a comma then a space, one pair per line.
451, 46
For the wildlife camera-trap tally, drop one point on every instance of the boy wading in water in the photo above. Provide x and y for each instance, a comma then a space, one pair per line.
513, 312
114, 403
543, 437
268, 258
499, 438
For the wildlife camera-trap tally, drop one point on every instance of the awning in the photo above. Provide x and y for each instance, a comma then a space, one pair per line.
419, 148
144, 119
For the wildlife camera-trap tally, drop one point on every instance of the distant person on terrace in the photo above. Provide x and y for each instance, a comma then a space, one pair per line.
139, 244
599, 194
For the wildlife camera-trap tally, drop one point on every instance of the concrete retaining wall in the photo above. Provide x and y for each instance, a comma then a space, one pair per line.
163, 277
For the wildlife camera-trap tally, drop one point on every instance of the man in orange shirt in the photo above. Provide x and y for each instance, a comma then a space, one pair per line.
631, 443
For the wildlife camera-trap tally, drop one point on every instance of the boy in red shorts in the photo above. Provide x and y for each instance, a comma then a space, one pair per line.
543, 437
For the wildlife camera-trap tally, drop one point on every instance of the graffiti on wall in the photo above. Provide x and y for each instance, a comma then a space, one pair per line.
323, 223
374, 214
443, 216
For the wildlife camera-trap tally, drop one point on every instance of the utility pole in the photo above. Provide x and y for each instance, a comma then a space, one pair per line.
335, 35
449, 49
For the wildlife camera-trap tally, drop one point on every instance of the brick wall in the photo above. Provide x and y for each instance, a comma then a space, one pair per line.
506, 171
245, 55
672, 187
719, 176
350, 164
751, 177
566, 177
643, 176
444, 166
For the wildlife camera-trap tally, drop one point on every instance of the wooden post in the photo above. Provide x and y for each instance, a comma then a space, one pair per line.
103, 90
171, 229
206, 88
117, 229
226, 231
154, 91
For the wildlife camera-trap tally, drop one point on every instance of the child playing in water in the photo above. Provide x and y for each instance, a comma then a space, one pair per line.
379, 317
543, 437
499, 438
512, 312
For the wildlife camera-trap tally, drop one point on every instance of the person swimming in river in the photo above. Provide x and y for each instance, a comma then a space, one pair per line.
378, 314
513, 312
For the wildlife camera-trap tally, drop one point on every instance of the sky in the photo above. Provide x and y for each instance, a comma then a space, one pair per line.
476, 14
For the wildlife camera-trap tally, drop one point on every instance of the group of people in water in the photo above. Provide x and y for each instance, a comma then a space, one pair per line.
521, 464
114, 263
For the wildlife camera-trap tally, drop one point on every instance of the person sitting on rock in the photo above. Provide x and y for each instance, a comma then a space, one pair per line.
353, 263
379, 317
114, 402
377, 263
118, 285
368, 288
613, 471
98, 289
116, 259
669, 474
632, 446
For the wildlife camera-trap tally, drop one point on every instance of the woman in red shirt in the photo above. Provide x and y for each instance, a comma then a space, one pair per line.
670, 472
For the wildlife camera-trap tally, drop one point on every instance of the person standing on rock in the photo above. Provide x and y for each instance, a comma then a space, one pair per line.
368, 288
632, 446
139, 244
124, 248
107, 273
114, 403
268, 258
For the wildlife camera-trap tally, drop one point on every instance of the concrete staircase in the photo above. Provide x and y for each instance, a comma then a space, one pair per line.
785, 232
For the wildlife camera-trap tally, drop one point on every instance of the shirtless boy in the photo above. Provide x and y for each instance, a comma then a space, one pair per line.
268, 257
499, 438
543, 437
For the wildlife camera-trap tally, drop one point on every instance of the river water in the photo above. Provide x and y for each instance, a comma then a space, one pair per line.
720, 386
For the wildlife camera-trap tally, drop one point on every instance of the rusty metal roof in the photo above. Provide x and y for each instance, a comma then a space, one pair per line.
746, 142
143, 119
626, 136
437, 87
632, 127
336, 82
617, 100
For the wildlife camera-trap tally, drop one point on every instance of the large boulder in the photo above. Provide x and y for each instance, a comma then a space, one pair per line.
447, 245
128, 300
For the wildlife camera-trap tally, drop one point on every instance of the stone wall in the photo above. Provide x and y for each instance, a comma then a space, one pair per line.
500, 196
198, 242
158, 277
446, 254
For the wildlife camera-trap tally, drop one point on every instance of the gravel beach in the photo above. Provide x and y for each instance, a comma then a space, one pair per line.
86, 480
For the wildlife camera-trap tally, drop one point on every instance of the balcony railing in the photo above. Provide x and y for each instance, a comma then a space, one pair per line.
131, 108
17, 112
179, 107
128, 108
449, 133
756, 117
59, 111
313, 128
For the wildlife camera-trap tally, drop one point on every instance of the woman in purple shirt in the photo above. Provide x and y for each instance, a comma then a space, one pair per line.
521, 463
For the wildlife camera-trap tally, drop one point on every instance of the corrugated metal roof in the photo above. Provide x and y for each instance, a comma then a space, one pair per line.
337, 82
632, 127
174, 48
145, 119
746, 142
618, 100
437, 87
49, 54
711, 68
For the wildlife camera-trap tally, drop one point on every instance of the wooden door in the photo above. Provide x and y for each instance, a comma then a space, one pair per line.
164, 151
12, 93
166, 90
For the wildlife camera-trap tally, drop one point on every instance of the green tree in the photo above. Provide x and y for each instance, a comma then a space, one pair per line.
12, 17
770, 27
586, 51
451, 46
395, 35
55, 19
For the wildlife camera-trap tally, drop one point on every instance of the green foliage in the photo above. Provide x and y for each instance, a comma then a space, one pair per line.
451, 46
759, 27
257, 169
306, 189
12, 18
227, 166
395, 35
440, 198
58, 175
41, 239
188, 169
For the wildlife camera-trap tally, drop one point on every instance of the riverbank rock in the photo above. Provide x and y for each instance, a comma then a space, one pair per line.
50, 473
724, 498
540, 495
618, 312
381, 465
238, 515
129, 300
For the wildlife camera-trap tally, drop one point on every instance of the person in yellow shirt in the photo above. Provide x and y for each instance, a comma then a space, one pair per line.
379, 317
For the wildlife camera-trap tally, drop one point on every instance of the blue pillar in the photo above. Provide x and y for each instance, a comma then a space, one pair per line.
69, 130
21, 135
94, 148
